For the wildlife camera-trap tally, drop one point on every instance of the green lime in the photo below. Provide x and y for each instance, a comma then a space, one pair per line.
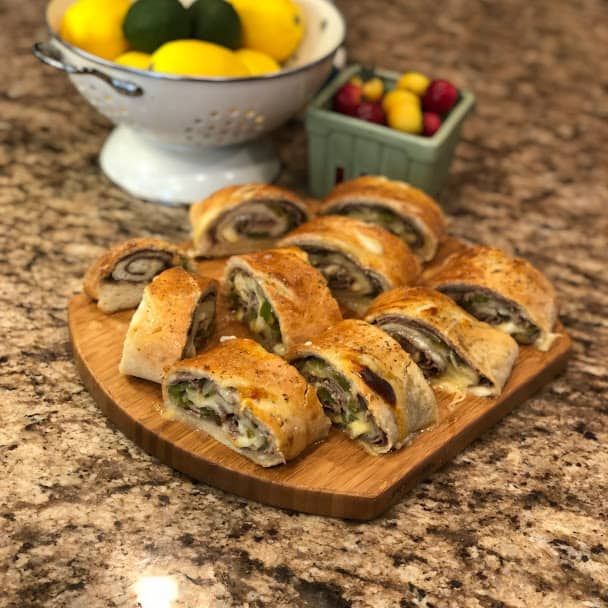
216, 21
151, 23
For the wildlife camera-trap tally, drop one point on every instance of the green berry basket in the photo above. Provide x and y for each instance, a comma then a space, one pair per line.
341, 147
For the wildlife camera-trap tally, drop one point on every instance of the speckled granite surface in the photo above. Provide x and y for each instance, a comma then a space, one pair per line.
518, 519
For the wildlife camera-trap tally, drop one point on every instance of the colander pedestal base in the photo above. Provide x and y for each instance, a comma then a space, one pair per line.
178, 174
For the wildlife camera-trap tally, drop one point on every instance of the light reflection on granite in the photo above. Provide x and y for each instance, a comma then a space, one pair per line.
518, 519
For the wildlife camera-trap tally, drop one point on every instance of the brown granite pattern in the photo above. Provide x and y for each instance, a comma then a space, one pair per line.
518, 519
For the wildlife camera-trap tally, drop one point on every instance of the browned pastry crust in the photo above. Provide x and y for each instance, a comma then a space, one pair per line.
513, 279
401, 198
160, 330
355, 348
486, 350
267, 387
297, 292
206, 218
375, 250
98, 283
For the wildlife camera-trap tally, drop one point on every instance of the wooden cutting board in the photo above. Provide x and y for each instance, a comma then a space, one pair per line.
336, 477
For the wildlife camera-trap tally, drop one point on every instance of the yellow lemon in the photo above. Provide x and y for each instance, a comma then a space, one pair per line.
274, 27
399, 97
96, 26
134, 59
197, 58
415, 82
405, 117
373, 89
257, 63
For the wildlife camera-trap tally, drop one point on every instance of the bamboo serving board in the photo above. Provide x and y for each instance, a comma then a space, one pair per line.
336, 477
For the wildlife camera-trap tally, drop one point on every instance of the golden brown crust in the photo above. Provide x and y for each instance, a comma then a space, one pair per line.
352, 345
400, 197
103, 266
268, 387
489, 351
160, 327
206, 213
512, 278
371, 247
297, 292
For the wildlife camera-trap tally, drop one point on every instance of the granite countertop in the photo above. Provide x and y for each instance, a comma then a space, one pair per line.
519, 518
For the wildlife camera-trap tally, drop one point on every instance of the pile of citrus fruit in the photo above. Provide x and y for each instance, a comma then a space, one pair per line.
236, 38
416, 105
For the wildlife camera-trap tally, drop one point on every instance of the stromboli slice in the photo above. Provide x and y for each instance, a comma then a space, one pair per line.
508, 293
240, 219
173, 320
283, 299
252, 401
116, 280
368, 385
454, 350
358, 260
396, 206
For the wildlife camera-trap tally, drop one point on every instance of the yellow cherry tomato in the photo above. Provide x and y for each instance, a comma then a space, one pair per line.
399, 97
415, 82
373, 89
405, 117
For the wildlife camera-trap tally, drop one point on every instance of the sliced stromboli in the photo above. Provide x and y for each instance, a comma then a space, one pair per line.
508, 293
248, 399
116, 280
454, 350
282, 298
240, 219
396, 206
368, 385
174, 320
358, 260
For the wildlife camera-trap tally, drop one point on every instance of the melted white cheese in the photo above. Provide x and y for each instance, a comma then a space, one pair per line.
200, 400
359, 427
509, 327
545, 341
461, 379
229, 234
248, 436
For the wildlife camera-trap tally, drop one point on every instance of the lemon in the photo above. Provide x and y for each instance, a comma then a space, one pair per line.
257, 63
96, 26
399, 97
405, 117
415, 82
134, 59
197, 58
151, 23
274, 27
216, 21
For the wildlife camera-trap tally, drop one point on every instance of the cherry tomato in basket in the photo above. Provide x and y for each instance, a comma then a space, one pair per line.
430, 123
371, 111
347, 99
440, 97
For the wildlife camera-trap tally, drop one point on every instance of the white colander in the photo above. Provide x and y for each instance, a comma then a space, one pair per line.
179, 139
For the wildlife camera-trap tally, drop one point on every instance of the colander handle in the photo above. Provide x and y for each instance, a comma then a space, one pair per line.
49, 54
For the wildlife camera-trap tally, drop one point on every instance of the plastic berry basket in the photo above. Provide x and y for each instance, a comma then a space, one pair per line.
341, 147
